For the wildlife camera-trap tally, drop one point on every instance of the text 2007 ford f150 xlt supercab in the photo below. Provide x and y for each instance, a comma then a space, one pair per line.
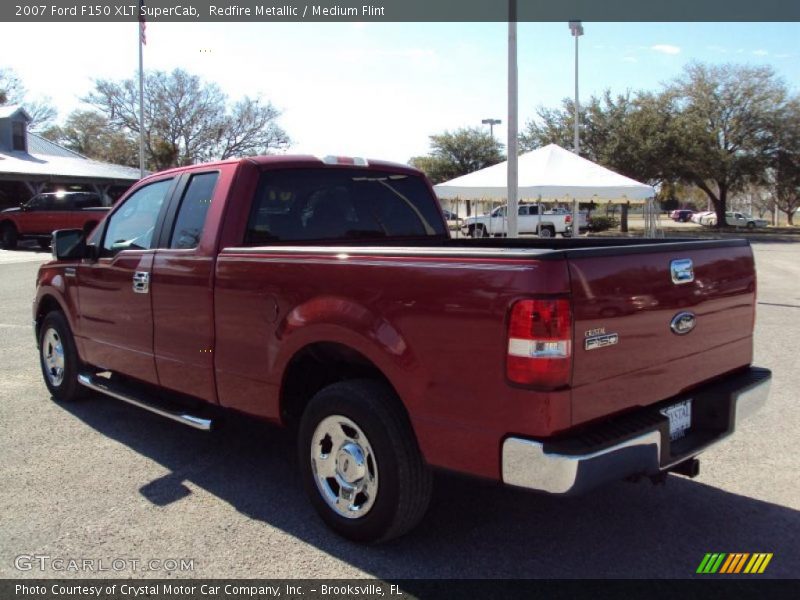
328, 294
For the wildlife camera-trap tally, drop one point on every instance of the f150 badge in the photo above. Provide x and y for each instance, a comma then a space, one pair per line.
598, 338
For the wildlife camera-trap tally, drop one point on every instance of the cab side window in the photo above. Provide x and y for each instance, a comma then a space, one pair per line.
40, 202
194, 208
132, 226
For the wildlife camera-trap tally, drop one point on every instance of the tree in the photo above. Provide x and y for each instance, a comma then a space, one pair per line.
784, 172
88, 133
11, 88
187, 120
724, 117
459, 152
629, 133
12, 91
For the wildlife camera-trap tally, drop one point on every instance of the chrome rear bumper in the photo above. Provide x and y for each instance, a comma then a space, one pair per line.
572, 465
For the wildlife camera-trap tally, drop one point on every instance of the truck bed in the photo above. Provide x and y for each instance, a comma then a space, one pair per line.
436, 315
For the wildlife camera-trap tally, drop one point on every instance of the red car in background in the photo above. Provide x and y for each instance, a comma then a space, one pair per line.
681, 215
40, 216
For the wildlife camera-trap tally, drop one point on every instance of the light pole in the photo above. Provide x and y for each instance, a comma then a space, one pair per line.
491, 123
512, 182
576, 29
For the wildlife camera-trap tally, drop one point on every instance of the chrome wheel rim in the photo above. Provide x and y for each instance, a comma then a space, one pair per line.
344, 467
53, 357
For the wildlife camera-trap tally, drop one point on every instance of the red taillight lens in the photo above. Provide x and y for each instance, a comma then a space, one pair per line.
568, 219
540, 343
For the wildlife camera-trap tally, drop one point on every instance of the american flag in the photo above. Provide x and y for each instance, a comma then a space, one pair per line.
142, 23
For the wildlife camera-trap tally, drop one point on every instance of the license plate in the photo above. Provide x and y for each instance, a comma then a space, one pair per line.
680, 418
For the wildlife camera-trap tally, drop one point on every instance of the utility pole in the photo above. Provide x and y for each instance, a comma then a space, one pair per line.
577, 31
513, 200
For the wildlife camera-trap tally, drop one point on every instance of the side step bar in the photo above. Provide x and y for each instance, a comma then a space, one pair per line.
104, 386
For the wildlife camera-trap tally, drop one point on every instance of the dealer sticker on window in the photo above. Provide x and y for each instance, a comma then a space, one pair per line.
680, 418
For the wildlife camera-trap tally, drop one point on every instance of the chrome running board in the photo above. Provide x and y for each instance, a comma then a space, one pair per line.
104, 386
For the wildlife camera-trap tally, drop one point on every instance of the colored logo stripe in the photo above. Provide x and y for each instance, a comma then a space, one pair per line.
711, 562
720, 562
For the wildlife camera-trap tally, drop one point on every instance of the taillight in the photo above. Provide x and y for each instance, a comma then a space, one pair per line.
540, 343
568, 219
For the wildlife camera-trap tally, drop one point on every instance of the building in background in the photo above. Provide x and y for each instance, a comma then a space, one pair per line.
31, 164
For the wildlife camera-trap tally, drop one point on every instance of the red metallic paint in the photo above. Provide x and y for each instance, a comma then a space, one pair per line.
435, 326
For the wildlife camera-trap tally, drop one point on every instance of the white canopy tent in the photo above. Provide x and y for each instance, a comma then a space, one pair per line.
548, 173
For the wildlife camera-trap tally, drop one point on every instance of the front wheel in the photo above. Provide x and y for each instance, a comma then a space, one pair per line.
59, 358
478, 231
361, 466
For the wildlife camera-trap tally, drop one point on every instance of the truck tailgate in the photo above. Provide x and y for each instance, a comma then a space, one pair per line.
626, 351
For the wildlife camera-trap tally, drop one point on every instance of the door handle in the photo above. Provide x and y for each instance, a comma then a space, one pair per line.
141, 282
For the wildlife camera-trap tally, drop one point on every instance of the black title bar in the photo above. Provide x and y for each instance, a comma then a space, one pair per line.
401, 10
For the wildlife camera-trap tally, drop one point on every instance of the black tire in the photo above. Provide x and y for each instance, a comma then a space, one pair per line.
751, 225
403, 480
67, 389
547, 232
44, 243
478, 231
9, 236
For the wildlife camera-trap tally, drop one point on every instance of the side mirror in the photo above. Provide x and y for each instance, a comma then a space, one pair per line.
69, 244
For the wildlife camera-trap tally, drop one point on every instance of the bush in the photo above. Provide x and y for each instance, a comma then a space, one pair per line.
601, 223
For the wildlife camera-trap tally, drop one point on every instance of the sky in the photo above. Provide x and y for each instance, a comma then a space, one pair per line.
380, 89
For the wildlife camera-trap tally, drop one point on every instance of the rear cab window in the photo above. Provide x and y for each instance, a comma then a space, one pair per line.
191, 218
330, 204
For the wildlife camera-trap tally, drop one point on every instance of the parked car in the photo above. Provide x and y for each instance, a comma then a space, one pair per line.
44, 213
708, 219
529, 220
681, 216
739, 219
734, 219
699, 216
328, 294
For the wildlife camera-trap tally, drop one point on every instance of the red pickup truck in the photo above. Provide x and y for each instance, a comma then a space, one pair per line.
327, 294
40, 216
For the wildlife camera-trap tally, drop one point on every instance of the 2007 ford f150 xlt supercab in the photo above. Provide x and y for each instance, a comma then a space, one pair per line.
327, 293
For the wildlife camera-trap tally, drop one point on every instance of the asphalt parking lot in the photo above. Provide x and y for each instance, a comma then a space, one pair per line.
102, 480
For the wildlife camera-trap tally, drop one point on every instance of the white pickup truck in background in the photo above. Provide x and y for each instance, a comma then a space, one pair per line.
532, 218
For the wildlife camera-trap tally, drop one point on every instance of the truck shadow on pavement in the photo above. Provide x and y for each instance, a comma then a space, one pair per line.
473, 529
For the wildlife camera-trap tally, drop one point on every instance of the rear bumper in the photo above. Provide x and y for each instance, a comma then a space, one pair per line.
636, 443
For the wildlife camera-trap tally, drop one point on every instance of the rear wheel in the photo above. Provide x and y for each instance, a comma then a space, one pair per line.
547, 232
9, 236
59, 358
361, 466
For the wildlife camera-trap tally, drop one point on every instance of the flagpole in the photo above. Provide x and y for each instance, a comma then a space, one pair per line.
141, 94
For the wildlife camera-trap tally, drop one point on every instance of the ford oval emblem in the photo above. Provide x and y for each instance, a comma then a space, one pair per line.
682, 323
